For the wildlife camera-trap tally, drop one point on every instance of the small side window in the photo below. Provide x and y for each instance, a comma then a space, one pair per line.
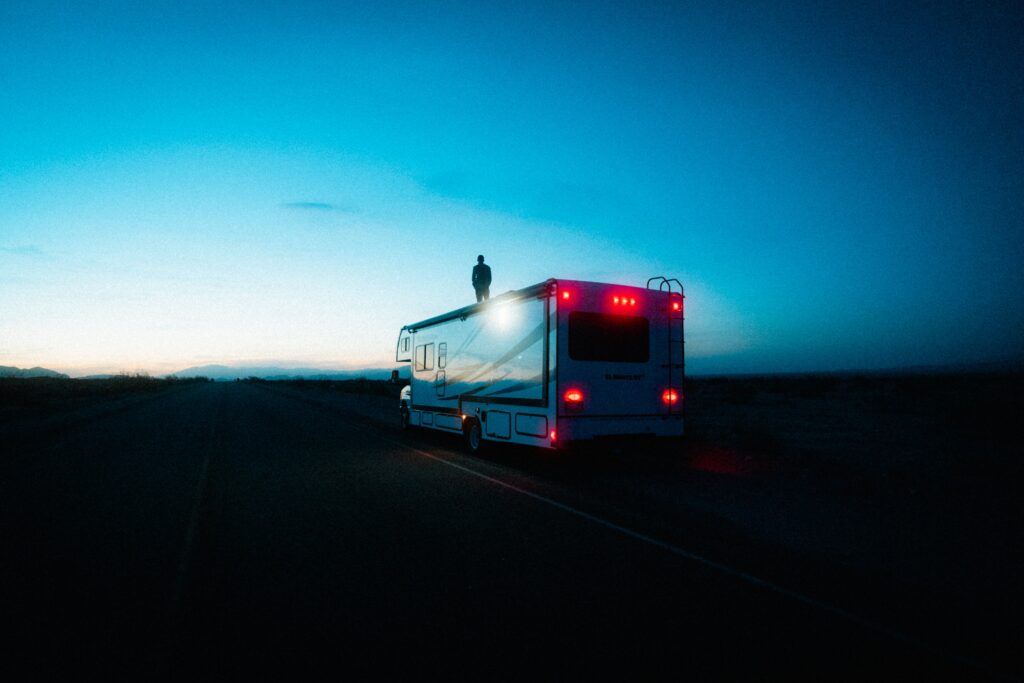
420, 357
402, 354
442, 354
428, 357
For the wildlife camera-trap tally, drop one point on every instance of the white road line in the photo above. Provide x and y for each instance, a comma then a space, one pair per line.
717, 566
177, 596
193, 523
675, 550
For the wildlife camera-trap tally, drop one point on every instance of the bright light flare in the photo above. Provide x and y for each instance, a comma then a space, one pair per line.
574, 396
670, 397
504, 316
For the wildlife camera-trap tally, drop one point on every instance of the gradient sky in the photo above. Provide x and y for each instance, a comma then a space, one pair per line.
180, 183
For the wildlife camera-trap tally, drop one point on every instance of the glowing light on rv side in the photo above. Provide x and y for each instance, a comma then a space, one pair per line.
670, 396
565, 295
573, 396
503, 316
554, 435
624, 301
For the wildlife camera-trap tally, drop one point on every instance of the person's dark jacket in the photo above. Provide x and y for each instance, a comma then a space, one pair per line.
481, 276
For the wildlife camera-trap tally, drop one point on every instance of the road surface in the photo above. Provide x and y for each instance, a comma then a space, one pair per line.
246, 529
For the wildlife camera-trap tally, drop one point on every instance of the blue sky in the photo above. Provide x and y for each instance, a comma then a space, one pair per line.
291, 182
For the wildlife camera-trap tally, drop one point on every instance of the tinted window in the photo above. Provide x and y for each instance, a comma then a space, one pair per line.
599, 336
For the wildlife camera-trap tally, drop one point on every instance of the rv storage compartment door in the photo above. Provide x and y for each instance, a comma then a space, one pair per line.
499, 424
532, 425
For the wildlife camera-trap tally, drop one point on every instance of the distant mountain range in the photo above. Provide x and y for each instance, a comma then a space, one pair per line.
227, 373
8, 371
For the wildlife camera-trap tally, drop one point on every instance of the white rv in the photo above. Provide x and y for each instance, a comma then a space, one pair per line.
552, 365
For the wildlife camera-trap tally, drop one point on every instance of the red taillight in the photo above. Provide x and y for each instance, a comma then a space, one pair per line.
553, 435
677, 305
574, 396
670, 397
565, 295
623, 301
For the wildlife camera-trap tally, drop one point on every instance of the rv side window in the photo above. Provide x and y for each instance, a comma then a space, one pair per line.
424, 357
603, 337
442, 354
405, 344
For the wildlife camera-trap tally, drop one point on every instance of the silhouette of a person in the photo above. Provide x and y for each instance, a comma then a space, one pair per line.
482, 280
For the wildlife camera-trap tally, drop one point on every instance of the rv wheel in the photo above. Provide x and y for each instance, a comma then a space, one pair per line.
474, 437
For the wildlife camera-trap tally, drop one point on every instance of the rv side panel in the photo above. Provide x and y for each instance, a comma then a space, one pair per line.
493, 359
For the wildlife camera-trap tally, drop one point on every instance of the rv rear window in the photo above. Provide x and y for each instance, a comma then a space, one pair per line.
603, 337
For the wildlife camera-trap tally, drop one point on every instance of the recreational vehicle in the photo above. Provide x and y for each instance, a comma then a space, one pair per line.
552, 365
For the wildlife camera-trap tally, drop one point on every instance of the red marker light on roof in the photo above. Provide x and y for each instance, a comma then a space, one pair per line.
677, 305
573, 396
565, 295
632, 302
670, 397
615, 300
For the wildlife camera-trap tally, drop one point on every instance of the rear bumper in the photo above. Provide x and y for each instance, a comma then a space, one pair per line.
578, 428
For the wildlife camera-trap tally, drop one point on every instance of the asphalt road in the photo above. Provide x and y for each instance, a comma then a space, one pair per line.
241, 529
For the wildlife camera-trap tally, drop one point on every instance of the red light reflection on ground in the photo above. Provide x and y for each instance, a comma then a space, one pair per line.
723, 461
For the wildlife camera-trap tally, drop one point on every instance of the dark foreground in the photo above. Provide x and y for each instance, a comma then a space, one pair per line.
214, 530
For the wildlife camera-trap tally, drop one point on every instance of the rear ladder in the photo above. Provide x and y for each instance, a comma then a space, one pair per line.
676, 366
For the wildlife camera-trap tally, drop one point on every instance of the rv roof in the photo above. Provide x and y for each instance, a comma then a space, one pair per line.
466, 311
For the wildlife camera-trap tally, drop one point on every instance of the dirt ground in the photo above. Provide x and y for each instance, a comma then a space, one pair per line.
915, 477
897, 433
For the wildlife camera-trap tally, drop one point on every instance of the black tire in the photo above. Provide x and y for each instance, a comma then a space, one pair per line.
474, 437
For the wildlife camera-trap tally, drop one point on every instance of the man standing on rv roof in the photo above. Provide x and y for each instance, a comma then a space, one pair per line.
482, 279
